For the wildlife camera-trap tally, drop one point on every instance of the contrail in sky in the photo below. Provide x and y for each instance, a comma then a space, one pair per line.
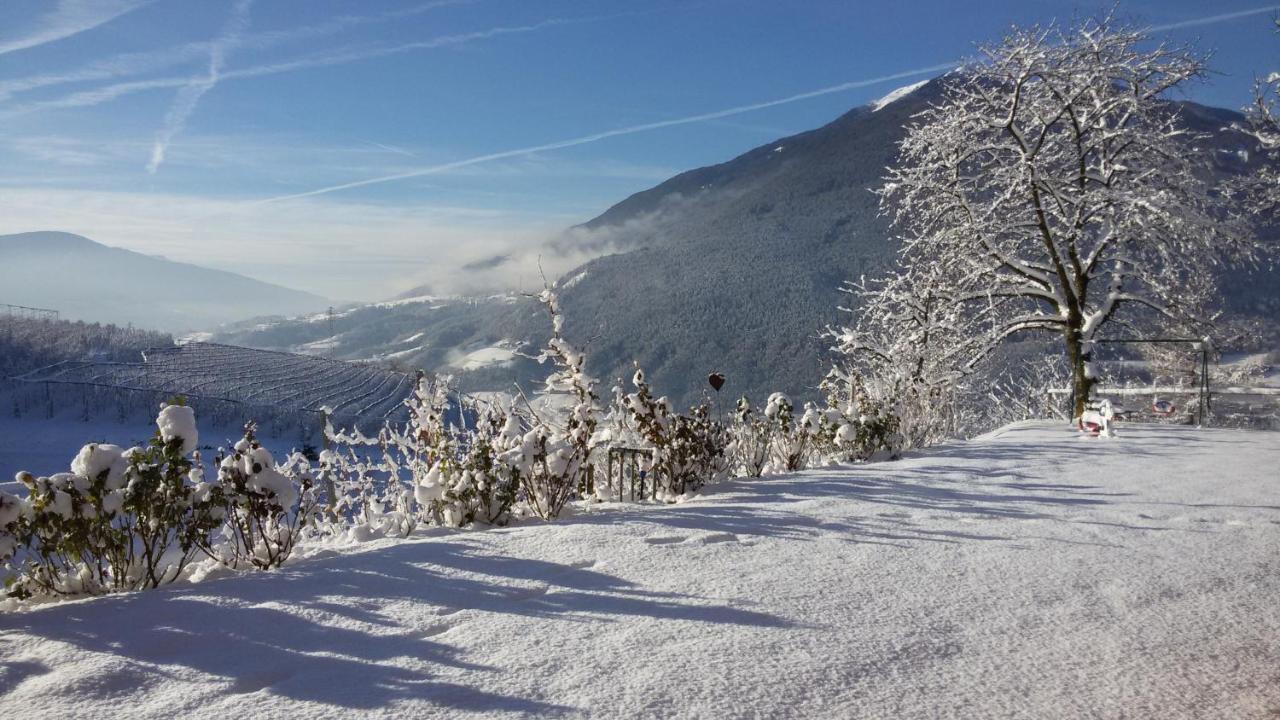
1211, 19
596, 137
70, 18
739, 110
135, 63
185, 103
330, 57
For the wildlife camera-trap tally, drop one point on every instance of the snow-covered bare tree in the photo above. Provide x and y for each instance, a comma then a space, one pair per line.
910, 342
1053, 189
1263, 124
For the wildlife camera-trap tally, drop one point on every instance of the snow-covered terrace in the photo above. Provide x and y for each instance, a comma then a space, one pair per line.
283, 381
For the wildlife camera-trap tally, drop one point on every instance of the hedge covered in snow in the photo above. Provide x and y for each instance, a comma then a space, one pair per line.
138, 518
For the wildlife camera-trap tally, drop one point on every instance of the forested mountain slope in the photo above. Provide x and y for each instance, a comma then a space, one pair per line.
736, 267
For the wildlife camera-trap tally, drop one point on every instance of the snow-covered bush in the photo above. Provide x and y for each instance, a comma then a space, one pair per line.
365, 497
490, 484
466, 478
263, 507
908, 351
685, 451
386, 485
135, 519
701, 447
430, 470
13, 511
749, 441
853, 427
432, 456
791, 440
553, 460
775, 440
120, 520
455, 475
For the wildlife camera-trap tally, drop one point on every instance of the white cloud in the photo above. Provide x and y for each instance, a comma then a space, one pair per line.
69, 17
342, 250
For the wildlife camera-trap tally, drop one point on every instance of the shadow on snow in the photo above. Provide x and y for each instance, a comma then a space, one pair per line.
276, 631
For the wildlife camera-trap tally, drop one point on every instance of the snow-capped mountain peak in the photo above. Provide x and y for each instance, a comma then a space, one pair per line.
897, 95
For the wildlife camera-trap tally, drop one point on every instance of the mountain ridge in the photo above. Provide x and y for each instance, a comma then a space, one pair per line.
87, 280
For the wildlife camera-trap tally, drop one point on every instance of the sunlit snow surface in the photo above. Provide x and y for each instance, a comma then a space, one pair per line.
1033, 573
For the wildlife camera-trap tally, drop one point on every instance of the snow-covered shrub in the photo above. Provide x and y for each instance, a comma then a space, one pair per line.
749, 441
432, 456
385, 485
430, 470
702, 444
553, 459
368, 499
363, 479
263, 506
652, 419
618, 427
489, 485
14, 534
791, 440
907, 352
853, 427
685, 451
120, 520
774, 440
1019, 390
462, 477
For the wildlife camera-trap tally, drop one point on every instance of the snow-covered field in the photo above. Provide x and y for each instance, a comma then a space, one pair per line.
1030, 573
44, 446
500, 355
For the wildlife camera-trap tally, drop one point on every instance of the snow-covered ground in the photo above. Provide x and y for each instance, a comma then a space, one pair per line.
500, 355
1031, 573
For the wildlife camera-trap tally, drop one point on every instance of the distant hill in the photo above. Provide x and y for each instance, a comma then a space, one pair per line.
735, 267
85, 280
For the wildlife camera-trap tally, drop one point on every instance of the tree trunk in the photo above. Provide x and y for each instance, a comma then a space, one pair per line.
1079, 356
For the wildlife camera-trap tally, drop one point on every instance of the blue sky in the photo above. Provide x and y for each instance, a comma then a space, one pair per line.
212, 132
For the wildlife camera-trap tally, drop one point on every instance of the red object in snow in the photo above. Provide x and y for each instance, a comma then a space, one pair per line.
717, 380
1096, 418
1090, 428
